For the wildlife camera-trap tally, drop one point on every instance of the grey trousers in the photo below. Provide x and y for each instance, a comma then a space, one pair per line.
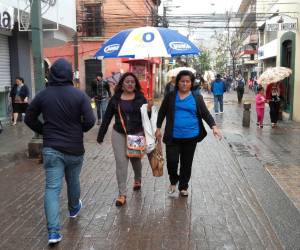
119, 147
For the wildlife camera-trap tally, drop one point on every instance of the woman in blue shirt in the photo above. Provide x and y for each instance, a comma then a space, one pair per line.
184, 129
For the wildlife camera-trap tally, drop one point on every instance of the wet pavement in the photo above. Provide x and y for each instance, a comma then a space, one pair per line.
224, 209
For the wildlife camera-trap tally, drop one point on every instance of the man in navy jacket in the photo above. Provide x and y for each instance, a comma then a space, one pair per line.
218, 88
67, 113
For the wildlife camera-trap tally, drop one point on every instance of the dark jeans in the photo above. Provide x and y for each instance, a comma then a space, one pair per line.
101, 106
274, 111
185, 152
240, 93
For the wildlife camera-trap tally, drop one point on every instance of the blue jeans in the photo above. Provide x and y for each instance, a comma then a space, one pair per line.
57, 165
218, 99
101, 107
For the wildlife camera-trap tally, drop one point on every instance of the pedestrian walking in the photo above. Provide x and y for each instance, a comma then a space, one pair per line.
274, 94
101, 94
170, 86
125, 107
67, 113
218, 88
184, 129
260, 101
196, 88
19, 98
228, 83
240, 88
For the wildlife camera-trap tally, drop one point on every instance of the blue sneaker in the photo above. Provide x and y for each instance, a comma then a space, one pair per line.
75, 212
54, 238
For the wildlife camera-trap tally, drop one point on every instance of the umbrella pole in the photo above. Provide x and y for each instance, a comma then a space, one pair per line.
148, 80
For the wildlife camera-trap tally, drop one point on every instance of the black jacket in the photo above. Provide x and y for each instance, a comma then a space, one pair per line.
133, 120
167, 110
24, 92
66, 111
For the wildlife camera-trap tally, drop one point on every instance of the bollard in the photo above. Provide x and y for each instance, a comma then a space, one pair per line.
246, 114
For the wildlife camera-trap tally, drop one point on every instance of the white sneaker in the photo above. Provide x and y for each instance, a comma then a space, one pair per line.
171, 189
221, 112
184, 193
216, 113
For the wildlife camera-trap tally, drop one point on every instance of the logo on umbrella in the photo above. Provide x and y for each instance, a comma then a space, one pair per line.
111, 48
179, 45
148, 37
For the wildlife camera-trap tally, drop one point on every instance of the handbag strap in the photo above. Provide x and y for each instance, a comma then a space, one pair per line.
121, 118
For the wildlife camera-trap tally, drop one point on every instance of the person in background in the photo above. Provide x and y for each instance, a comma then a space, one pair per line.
184, 129
19, 97
101, 94
228, 83
129, 98
170, 86
218, 88
260, 101
196, 88
240, 88
274, 94
67, 114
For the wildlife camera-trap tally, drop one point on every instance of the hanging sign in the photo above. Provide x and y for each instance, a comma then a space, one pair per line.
281, 23
6, 17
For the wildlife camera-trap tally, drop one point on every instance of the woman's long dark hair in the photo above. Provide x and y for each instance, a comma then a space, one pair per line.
118, 88
184, 73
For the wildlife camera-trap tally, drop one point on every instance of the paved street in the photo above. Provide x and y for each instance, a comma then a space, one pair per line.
223, 211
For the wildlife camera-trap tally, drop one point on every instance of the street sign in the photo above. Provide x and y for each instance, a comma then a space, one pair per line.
281, 23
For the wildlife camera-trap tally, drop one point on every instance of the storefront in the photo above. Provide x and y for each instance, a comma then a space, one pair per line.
6, 20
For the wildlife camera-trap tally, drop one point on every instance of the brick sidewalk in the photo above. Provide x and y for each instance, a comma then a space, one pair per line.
221, 212
278, 149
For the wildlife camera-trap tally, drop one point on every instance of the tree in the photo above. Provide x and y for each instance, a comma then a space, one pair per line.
202, 62
230, 43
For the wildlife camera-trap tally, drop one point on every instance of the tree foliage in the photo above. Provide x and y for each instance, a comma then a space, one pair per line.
229, 46
202, 62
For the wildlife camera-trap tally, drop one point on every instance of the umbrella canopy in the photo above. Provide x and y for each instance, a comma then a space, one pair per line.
146, 42
174, 72
274, 74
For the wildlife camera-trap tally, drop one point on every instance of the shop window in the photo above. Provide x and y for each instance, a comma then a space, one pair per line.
93, 21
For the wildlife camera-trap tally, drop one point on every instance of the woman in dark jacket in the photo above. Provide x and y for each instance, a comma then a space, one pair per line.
184, 129
129, 98
19, 97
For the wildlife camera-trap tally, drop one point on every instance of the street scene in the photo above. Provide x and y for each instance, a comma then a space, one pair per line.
149, 124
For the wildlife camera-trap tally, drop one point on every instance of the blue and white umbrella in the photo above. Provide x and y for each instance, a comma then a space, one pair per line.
147, 42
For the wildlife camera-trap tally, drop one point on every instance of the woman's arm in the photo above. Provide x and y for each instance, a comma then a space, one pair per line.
205, 114
109, 113
161, 116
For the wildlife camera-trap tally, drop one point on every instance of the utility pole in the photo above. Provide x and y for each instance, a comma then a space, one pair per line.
76, 70
165, 22
35, 145
37, 45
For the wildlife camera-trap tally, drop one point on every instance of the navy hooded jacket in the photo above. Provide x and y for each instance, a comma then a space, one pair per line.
66, 111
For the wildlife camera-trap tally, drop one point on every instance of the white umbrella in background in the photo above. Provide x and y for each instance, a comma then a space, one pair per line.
274, 74
174, 72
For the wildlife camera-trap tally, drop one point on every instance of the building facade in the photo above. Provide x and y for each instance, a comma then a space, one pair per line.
248, 54
98, 20
280, 46
15, 41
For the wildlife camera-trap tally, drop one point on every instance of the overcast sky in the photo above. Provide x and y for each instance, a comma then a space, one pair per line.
182, 7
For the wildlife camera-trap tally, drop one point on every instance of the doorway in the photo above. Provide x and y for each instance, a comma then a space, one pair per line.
92, 67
